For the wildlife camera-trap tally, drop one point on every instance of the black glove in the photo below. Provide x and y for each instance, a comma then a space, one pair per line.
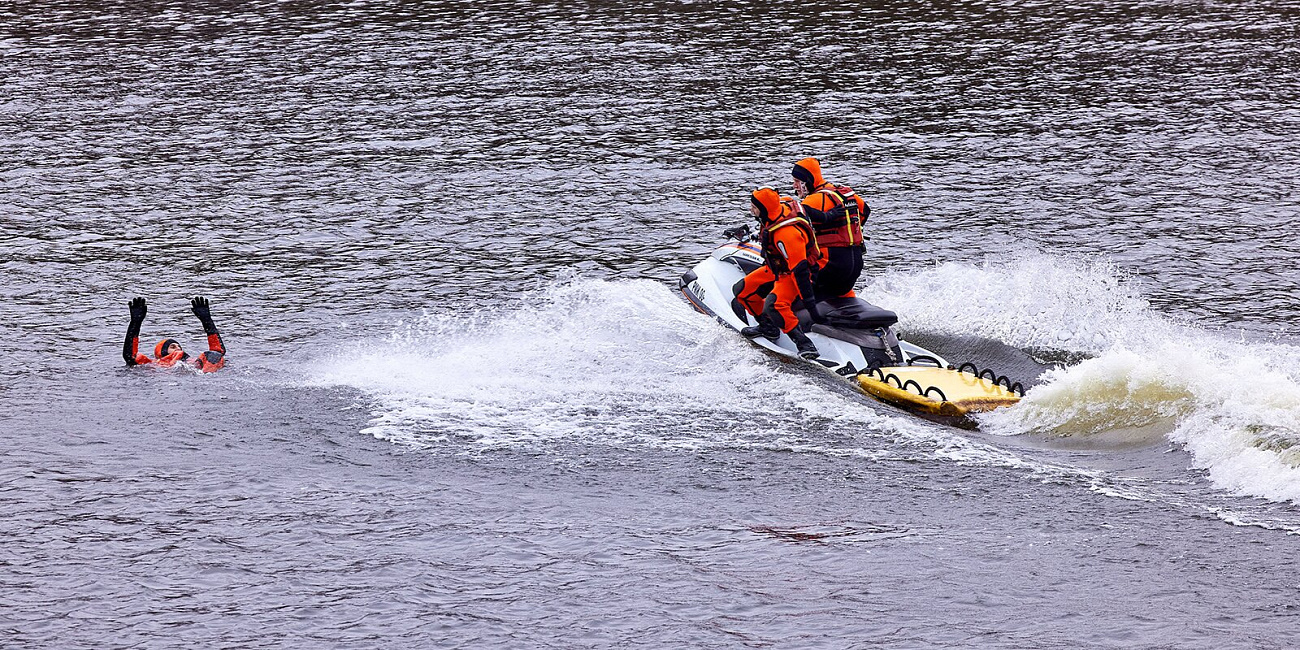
138, 309
741, 232
199, 305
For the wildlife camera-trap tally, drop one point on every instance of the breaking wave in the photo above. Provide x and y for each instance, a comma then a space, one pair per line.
1233, 404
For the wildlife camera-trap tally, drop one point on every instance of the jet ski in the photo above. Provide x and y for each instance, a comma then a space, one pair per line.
855, 341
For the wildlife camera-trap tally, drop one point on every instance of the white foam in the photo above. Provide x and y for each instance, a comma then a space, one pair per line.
1234, 405
624, 363
628, 363
1027, 299
584, 359
1244, 520
1231, 405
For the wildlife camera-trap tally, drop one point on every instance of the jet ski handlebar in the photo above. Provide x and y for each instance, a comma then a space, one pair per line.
739, 233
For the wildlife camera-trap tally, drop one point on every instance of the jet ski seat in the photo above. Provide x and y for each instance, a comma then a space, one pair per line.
855, 313
856, 321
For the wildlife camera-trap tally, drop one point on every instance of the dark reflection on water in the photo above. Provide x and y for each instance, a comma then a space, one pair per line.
322, 169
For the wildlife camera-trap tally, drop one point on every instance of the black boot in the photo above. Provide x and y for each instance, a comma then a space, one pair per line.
807, 349
765, 329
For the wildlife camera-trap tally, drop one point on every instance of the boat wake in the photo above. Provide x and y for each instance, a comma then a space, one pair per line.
1134, 376
624, 362
629, 364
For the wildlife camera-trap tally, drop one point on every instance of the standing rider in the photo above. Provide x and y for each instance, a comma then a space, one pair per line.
790, 250
836, 213
168, 352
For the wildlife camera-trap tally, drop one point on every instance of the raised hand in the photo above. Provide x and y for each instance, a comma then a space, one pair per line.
199, 305
138, 309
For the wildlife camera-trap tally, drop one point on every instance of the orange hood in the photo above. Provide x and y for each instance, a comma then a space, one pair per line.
768, 202
160, 350
809, 171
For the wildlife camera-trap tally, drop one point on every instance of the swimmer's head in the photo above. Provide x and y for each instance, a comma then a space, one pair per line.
166, 347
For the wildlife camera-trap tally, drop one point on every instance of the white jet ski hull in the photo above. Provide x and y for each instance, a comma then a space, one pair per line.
709, 288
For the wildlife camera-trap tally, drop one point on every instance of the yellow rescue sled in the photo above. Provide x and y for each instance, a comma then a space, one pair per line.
944, 394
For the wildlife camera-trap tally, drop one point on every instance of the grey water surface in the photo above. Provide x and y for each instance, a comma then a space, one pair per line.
465, 408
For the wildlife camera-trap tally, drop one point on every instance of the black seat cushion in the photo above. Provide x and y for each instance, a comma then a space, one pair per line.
855, 313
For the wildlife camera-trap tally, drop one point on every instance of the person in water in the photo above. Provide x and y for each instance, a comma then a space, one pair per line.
791, 253
168, 352
836, 213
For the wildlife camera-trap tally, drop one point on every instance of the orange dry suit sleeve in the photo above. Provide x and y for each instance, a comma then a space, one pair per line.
792, 244
214, 341
200, 307
215, 358
821, 209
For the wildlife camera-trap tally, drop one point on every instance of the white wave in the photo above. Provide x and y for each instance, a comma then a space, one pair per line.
1233, 404
584, 358
624, 363
1028, 300
1234, 407
629, 364
1244, 520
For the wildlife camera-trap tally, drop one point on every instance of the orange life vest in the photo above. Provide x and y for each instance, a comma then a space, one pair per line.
211, 360
843, 224
773, 233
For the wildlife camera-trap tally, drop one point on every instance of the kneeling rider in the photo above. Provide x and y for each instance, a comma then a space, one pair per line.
791, 253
